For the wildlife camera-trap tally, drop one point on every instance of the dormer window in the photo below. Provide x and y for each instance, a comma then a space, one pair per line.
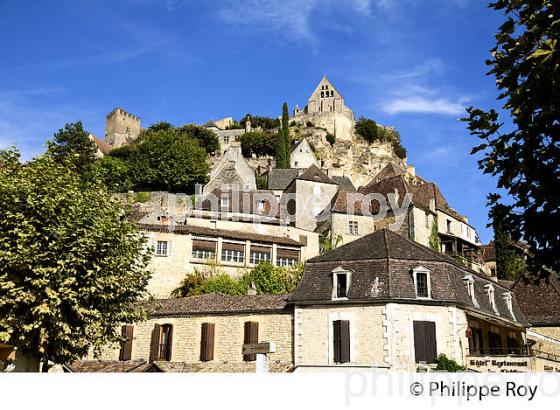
469, 284
508, 298
422, 282
489, 290
341, 283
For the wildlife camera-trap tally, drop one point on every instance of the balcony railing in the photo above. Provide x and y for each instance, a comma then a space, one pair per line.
515, 351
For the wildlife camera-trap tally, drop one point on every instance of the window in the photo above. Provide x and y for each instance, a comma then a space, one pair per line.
260, 204
233, 252
207, 342
341, 283
448, 225
260, 253
476, 342
250, 335
427, 220
286, 256
489, 290
224, 202
202, 249
495, 342
128, 130
322, 94
161, 248
341, 341
162, 341
213, 224
425, 342
295, 163
469, 284
508, 298
226, 139
353, 227
422, 282
127, 334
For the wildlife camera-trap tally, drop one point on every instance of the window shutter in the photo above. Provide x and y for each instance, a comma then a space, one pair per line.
420, 342
154, 348
336, 341
345, 341
431, 343
126, 348
207, 342
169, 343
341, 341
251, 335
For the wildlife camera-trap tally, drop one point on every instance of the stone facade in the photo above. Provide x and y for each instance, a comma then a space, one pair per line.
273, 327
121, 128
231, 172
303, 156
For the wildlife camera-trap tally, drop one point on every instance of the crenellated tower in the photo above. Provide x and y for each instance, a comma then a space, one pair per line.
121, 127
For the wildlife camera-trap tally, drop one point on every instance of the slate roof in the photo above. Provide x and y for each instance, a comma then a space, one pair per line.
390, 170
214, 303
539, 299
381, 265
202, 231
279, 179
216, 367
315, 174
106, 366
344, 183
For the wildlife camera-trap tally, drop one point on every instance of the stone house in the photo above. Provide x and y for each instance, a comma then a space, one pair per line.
207, 332
232, 171
386, 301
302, 155
539, 299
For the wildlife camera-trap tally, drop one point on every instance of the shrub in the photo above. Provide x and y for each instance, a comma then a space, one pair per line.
448, 365
367, 129
258, 143
398, 149
190, 286
331, 139
310, 124
142, 197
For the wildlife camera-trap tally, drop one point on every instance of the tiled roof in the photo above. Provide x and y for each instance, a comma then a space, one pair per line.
202, 231
216, 303
381, 265
344, 183
106, 366
216, 367
539, 299
315, 174
390, 170
279, 179
103, 146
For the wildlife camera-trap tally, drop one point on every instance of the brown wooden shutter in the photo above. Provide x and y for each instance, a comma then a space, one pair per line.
337, 332
344, 341
207, 342
431, 342
341, 341
419, 341
126, 347
154, 347
251, 335
169, 343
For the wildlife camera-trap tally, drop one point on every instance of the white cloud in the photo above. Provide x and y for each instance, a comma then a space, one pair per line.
424, 105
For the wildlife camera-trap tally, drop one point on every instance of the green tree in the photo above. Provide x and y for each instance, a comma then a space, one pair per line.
525, 153
73, 143
434, 236
160, 126
258, 143
114, 172
266, 123
167, 159
283, 141
205, 137
367, 129
510, 260
71, 264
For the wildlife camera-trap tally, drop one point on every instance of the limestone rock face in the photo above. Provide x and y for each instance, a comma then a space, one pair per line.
354, 158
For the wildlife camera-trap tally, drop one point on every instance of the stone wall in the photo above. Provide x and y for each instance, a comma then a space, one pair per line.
228, 338
121, 127
313, 198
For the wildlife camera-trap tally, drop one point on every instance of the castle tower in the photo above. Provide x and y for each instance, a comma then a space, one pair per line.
121, 128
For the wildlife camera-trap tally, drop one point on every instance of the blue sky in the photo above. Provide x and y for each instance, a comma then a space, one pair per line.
412, 64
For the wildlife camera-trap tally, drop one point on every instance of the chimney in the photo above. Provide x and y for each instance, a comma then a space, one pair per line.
251, 289
432, 204
248, 125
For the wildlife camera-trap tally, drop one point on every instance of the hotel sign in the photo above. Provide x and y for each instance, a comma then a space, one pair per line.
502, 364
